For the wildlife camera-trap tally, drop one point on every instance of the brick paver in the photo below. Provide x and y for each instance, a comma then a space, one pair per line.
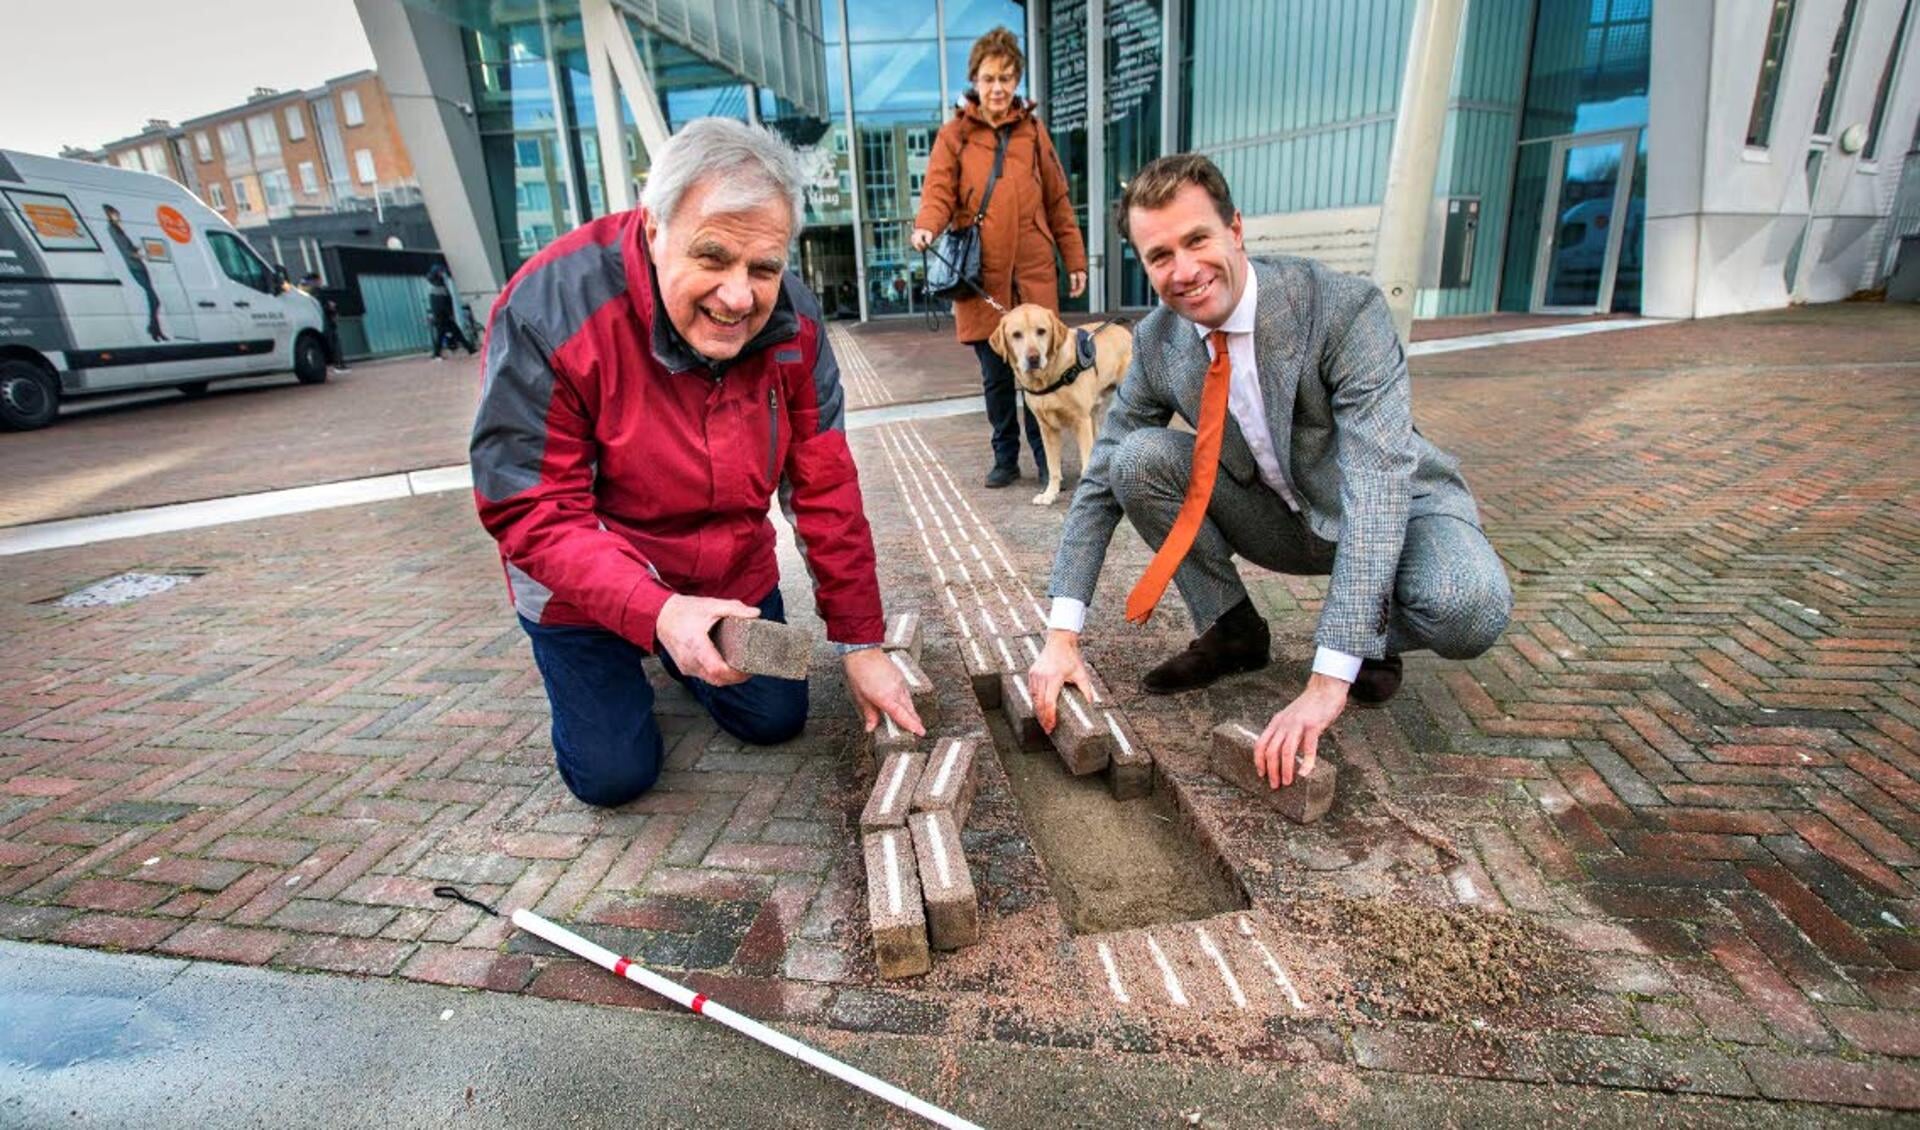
1695, 756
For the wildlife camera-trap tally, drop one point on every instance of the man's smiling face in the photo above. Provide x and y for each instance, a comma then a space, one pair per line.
720, 271
1196, 261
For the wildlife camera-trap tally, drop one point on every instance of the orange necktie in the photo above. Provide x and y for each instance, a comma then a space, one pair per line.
1206, 466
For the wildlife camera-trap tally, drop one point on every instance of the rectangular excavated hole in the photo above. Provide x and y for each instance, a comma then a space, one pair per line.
1113, 864
124, 587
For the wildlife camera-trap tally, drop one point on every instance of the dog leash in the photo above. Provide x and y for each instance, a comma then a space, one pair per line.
959, 274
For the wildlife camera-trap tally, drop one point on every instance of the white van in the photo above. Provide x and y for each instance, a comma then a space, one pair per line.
113, 280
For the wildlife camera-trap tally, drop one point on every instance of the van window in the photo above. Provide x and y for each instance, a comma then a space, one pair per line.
239, 263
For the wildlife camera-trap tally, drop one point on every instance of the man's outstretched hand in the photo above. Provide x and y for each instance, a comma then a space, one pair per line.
684, 629
1292, 739
1058, 665
879, 688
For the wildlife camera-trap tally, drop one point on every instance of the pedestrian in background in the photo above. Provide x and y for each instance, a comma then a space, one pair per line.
440, 305
1029, 216
329, 320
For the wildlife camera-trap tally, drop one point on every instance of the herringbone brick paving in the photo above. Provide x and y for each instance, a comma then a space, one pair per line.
1696, 754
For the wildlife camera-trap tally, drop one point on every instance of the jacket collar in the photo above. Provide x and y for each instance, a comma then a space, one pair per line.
968, 107
668, 347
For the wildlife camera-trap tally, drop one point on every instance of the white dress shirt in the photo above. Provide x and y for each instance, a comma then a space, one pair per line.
1249, 409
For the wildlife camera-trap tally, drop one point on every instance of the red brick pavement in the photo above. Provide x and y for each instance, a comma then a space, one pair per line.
1696, 755
160, 447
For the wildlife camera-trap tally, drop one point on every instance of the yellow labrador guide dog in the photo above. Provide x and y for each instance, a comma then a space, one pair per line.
1061, 388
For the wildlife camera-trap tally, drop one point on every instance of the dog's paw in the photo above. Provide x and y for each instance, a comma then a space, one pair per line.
1046, 497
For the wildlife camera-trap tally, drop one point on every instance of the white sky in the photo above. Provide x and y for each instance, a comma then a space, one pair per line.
86, 72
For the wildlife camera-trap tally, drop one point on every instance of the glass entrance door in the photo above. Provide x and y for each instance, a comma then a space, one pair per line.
1581, 225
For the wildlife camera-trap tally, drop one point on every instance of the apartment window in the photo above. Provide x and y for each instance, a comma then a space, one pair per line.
350, 107
1879, 118
274, 186
1836, 62
363, 165
240, 198
526, 153
156, 158
309, 180
216, 196
1779, 28
233, 141
263, 134
130, 160
296, 124
202, 147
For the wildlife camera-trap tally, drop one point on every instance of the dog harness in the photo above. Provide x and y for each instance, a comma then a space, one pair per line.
1083, 355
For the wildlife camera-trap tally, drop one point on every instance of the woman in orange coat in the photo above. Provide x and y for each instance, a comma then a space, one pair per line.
1029, 216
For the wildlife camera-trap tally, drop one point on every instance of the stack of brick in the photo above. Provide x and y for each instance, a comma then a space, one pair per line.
920, 893
1089, 736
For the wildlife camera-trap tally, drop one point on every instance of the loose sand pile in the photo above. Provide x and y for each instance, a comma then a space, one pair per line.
1434, 964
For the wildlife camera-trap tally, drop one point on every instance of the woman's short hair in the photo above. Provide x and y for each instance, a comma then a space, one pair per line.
1162, 178
996, 44
748, 164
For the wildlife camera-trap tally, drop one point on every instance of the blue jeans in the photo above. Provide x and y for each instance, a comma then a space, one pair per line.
606, 740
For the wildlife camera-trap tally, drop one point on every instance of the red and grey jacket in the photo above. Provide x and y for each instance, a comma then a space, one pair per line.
616, 467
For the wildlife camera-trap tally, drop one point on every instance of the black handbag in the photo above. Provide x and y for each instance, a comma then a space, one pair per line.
955, 269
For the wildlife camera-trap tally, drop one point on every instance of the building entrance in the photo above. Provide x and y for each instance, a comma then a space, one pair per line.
1588, 209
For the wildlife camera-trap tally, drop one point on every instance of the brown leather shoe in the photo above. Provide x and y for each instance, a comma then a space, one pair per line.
1238, 641
1378, 681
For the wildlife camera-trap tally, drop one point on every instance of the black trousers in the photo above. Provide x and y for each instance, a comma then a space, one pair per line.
996, 381
447, 331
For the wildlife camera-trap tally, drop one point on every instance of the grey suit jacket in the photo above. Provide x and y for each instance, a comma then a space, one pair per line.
1340, 409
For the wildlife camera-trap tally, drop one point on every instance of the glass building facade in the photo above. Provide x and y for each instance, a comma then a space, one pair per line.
1296, 101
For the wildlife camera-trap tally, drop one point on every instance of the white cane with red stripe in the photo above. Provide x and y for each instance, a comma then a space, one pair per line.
700, 1005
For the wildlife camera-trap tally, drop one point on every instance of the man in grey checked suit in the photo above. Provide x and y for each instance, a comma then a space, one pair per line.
1320, 471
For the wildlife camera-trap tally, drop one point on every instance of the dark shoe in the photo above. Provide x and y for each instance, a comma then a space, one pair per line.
1238, 641
1002, 477
1378, 681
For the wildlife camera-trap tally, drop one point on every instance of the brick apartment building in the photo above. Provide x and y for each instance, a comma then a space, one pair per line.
294, 170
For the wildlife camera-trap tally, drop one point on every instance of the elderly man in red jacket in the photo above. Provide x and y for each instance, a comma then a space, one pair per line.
652, 380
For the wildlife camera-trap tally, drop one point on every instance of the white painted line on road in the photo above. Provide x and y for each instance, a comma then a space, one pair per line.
1520, 337
68, 532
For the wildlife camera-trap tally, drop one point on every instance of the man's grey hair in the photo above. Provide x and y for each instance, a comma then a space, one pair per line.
750, 165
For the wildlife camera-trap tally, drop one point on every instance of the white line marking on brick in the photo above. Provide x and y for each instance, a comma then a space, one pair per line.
893, 872
893, 786
1463, 888
1005, 655
1021, 686
940, 854
1220, 962
1175, 993
946, 766
1126, 747
1280, 977
914, 681
1033, 649
1251, 736
1113, 973
1073, 704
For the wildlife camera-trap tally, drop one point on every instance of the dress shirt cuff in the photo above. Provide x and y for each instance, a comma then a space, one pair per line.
846, 649
1068, 614
1338, 664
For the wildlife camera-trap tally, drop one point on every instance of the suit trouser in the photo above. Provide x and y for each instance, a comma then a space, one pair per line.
1450, 592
